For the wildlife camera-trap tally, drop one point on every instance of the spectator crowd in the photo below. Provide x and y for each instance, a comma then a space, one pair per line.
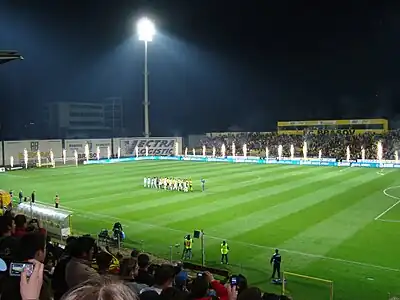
330, 145
81, 270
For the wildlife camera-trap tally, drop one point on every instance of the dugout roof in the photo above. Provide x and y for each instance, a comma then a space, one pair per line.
9, 55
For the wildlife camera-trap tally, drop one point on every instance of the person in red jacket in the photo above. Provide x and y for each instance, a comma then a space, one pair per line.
201, 288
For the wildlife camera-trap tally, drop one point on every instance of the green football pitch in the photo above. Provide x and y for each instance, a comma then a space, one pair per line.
327, 221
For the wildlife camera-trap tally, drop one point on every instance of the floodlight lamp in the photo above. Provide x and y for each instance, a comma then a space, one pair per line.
146, 30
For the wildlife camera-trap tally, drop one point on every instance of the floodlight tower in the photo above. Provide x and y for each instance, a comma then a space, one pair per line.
146, 31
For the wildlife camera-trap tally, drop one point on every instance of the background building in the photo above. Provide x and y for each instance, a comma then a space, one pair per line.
84, 120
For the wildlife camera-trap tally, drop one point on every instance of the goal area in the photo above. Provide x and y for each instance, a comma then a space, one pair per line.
301, 286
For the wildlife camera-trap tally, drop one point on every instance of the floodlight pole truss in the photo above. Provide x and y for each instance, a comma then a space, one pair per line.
146, 102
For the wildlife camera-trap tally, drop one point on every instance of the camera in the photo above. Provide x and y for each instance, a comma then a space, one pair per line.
234, 281
16, 268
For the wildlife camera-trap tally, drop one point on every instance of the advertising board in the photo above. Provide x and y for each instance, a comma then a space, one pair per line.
16, 150
79, 146
157, 146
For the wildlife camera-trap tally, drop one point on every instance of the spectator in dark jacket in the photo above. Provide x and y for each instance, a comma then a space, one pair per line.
79, 269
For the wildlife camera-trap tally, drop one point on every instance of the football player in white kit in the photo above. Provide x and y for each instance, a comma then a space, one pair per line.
145, 182
148, 182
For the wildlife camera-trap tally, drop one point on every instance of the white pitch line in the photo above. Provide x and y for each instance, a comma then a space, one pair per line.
96, 216
389, 221
385, 192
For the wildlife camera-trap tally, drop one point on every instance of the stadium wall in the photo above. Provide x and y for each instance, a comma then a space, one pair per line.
16, 149
79, 145
156, 146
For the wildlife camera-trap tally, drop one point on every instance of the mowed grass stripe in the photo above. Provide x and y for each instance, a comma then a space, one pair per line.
136, 190
319, 228
293, 221
157, 198
234, 206
138, 194
345, 224
112, 185
218, 193
252, 223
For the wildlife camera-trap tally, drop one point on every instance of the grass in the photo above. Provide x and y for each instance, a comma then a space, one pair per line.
321, 218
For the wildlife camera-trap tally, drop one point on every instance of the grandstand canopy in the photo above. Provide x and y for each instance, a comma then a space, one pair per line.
9, 55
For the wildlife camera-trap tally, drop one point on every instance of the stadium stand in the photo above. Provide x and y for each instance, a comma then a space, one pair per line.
331, 145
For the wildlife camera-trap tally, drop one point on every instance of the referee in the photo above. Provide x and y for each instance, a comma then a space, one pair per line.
276, 260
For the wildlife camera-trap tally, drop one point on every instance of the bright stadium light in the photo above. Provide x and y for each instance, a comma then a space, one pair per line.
146, 31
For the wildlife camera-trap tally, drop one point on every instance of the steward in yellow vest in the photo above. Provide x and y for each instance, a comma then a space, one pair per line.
187, 247
224, 252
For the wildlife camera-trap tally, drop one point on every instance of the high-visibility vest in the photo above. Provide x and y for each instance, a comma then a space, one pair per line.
188, 244
224, 248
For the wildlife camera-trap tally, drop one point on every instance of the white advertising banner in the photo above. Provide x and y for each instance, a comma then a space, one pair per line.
156, 145
16, 150
79, 146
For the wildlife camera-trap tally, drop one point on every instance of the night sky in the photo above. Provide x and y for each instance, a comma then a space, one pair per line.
214, 65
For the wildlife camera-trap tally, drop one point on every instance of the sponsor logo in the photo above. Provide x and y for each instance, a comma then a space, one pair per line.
386, 165
34, 146
338, 131
366, 165
155, 146
344, 164
197, 159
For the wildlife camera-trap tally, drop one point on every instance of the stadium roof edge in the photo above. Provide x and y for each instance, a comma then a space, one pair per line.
9, 55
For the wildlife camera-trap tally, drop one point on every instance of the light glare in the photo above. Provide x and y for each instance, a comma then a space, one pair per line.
146, 30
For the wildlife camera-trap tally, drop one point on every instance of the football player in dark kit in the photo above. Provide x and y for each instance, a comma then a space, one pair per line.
276, 260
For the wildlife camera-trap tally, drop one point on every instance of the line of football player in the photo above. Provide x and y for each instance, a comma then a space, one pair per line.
171, 184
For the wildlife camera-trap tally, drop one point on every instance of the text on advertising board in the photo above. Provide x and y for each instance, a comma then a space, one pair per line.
338, 131
155, 146
79, 147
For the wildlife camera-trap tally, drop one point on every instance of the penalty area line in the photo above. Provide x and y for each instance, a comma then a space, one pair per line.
385, 192
95, 216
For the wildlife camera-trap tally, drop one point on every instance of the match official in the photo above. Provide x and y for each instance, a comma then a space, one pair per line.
276, 260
